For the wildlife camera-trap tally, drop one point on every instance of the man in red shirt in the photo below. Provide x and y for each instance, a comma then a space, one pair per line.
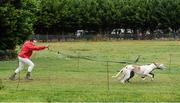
24, 58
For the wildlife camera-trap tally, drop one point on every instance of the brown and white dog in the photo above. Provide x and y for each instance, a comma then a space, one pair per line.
143, 70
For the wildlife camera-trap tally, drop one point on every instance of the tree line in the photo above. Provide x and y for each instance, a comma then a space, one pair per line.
19, 19
104, 15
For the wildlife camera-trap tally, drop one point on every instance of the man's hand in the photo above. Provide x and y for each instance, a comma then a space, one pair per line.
47, 46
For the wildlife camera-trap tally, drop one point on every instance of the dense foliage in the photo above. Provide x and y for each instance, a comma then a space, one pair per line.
21, 18
104, 15
16, 24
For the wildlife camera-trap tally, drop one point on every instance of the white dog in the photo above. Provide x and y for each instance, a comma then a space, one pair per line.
143, 70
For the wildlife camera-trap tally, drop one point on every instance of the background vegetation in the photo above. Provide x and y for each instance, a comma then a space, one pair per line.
21, 18
105, 15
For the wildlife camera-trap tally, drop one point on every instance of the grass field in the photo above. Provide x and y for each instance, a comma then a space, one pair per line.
58, 78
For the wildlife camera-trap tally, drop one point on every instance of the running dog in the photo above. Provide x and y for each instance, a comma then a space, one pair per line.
144, 71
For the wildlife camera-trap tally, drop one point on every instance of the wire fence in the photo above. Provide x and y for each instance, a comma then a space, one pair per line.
91, 59
107, 67
73, 37
107, 63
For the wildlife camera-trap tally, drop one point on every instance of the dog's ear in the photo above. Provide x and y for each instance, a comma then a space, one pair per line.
154, 62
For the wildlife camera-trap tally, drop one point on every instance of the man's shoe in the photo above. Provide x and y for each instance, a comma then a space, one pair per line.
13, 77
28, 76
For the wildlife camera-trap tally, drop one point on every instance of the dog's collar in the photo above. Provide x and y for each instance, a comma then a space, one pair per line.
155, 64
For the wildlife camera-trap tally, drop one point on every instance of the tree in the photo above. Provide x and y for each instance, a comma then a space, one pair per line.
16, 23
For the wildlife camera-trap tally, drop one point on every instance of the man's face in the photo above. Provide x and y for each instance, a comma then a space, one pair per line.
34, 41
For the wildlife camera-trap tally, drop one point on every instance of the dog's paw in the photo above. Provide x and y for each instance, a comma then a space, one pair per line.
144, 78
152, 79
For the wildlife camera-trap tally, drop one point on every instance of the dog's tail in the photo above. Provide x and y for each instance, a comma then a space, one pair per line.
115, 76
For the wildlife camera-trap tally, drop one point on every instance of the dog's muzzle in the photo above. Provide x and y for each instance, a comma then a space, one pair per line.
162, 67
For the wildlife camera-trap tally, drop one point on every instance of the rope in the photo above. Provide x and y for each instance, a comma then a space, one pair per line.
91, 59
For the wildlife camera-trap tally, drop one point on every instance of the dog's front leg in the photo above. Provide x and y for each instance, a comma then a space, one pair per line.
151, 76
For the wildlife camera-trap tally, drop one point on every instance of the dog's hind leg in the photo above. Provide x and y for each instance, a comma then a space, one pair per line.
121, 77
126, 73
131, 75
143, 77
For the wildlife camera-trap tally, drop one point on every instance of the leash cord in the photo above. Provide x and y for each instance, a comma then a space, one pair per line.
91, 59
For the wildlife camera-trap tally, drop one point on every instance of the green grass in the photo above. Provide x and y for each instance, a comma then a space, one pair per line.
61, 79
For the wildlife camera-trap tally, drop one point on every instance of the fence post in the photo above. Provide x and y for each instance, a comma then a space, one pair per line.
170, 62
78, 60
107, 64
